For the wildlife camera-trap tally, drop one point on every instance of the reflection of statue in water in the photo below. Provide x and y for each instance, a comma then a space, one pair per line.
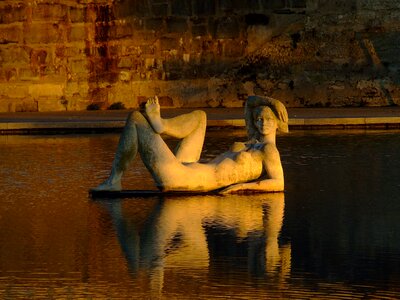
254, 165
207, 236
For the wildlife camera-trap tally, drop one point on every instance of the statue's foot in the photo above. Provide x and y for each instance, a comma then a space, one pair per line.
152, 110
108, 186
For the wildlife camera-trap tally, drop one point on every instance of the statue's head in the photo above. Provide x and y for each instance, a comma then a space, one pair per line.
265, 115
264, 120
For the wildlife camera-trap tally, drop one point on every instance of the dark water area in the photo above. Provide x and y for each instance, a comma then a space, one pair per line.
333, 234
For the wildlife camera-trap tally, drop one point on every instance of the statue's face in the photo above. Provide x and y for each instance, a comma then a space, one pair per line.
265, 121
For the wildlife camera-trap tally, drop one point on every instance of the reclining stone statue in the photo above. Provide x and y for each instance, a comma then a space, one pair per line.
254, 165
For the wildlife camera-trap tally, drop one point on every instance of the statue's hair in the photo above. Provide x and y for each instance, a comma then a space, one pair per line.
277, 108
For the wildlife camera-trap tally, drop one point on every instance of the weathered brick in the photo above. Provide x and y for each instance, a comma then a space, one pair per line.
42, 33
181, 8
77, 14
10, 14
10, 33
78, 66
298, 3
234, 48
199, 30
204, 7
14, 90
160, 10
14, 54
273, 4
146, 49
25, 105
26, 74
49, 12
338, 6
177, 25
9, 74
140, 8
226, 5
120, 30
168, 44
227, 28
46, 103
78, 32
243, 6
154, 23
125, 62
166, 101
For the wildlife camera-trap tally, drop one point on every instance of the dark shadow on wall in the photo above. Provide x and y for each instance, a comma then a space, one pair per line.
382, 53
102, 63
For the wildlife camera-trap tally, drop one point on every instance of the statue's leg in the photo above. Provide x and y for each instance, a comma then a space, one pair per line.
163, 165
190, 128
126, 152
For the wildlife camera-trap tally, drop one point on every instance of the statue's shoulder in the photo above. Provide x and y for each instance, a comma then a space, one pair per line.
270, 149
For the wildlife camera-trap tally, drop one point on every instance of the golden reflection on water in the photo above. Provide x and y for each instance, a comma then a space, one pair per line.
56, 243
188, 233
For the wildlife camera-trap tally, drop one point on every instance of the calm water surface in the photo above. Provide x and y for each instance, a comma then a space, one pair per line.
333, 234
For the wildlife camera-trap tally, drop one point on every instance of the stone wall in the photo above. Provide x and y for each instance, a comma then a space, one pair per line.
67, 54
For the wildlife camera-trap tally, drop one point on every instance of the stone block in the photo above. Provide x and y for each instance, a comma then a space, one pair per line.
8, 74
27, 74
24, 105
234, 48
72, 50
177, 25
227, 28
11, 14
78, 66
71, 88
204, 7
14, 90
121, 92
46, 90
49, 12
120, 30
77, 14
337, 6
14, 54
140, 8
245, 6
165, 101
78, 32
154, 24
168, 44
11, 33
125, 63
298, 3
226, 5
39, 33
257, 19
273, 4
50, 104
181, 8
199, 30
160, 10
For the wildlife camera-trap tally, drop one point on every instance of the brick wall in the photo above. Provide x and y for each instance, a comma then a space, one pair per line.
67, 54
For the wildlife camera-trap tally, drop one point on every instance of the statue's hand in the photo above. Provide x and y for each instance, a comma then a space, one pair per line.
232, 189
282, 112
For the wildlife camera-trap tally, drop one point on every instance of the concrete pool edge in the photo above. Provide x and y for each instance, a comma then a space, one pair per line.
109, 121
